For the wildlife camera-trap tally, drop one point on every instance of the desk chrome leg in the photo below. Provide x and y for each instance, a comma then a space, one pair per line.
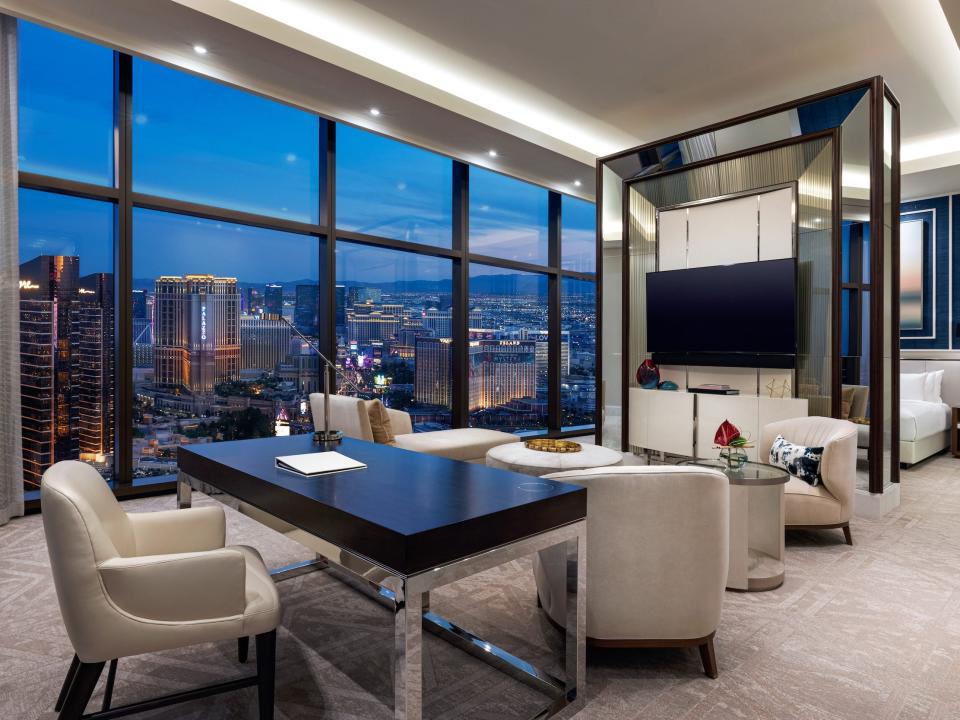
184, 492
407, 654
576, 625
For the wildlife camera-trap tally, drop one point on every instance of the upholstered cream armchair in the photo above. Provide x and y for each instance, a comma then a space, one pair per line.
829, 504
350, 415
136, 583
657, 556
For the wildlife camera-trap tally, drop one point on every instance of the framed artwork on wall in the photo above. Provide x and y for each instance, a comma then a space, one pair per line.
914, 242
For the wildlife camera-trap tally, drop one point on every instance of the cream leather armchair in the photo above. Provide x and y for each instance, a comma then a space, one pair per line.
829, 504
129, 584
657, 556
349, 415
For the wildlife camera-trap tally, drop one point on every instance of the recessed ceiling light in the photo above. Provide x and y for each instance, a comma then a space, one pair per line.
577, 183
492, 153
199, 49
375, 111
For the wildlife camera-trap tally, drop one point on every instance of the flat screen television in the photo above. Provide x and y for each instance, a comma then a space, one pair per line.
742, 314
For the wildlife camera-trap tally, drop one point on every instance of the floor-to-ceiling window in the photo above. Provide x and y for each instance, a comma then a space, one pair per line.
394, 330
509, 316
578, 312
195, 245
66, 332
214, 361
225, 311
66, 129
389, 189
508, 349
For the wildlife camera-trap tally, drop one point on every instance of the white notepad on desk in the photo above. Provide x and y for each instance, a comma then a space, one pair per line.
318, 463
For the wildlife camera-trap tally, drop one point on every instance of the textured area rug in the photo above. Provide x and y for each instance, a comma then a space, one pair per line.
870, 631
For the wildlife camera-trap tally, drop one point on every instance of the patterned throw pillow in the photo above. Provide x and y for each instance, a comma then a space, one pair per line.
801, 462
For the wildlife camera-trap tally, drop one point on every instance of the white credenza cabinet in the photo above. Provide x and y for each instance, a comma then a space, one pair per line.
683, 423
662, 420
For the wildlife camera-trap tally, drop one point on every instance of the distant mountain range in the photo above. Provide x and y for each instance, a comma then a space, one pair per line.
513, 284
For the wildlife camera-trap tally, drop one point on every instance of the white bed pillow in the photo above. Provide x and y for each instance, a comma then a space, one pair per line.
912, 386
931, 386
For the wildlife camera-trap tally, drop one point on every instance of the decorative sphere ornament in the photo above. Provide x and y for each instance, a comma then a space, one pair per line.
648, 375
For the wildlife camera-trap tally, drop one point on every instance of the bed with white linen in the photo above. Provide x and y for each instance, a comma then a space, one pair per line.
924, 417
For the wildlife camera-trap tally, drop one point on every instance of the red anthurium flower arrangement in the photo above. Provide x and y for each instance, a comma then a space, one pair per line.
728, 435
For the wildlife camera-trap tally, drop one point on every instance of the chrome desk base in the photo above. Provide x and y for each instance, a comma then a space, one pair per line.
409, 598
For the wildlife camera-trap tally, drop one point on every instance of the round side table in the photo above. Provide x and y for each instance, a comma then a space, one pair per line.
520, 459
756, 524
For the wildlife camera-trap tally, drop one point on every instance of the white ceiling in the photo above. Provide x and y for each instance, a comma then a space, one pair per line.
600, 76
165, 31
576, 79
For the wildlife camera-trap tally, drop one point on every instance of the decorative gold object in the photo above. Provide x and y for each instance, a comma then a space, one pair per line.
778, 388
553, 446
860, 420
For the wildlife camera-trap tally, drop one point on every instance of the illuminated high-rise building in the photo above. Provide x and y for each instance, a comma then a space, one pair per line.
273, 301
306, 310
252, 300
438, 322
475, 319
196, 332
541, 338
302, 369
93, 365
393, 309
500, 371
66, 364
341, 311
48, 335
432, 375
263, 343
138, 303
375, 325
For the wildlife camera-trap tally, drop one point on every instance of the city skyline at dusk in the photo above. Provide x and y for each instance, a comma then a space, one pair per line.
214, 356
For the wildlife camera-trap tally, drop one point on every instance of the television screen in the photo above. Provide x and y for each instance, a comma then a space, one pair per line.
742, 308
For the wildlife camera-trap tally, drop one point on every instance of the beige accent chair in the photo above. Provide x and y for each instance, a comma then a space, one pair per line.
136, 583
829, 504
657, 557
349, 415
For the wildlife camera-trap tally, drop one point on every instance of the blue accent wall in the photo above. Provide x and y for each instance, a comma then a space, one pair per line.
935, 214
955, 273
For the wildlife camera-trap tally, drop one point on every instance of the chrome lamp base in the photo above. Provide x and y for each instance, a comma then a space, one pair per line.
327, 436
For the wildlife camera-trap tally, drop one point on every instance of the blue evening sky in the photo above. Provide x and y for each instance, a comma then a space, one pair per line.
200, 141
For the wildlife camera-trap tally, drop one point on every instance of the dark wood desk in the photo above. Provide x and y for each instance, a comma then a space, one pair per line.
413, 522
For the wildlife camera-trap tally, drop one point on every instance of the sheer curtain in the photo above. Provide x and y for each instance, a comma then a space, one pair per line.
11, 452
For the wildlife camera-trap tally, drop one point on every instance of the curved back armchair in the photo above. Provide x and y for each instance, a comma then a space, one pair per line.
829, 504
136, 583
657, 557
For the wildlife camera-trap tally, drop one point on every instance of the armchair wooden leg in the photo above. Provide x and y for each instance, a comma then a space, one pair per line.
67, 682
846, 535
266, 672
108, 690
708, 657
80, 690
243, 649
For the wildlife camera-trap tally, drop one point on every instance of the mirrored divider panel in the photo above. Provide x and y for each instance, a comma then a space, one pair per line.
814, 180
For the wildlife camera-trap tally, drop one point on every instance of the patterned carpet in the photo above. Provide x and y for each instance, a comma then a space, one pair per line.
871, 631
